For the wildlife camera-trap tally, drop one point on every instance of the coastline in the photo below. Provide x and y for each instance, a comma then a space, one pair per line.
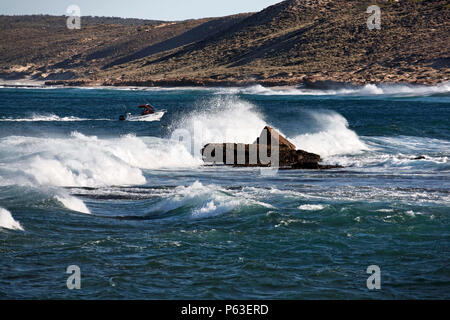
307, 82
315, 81
310, 83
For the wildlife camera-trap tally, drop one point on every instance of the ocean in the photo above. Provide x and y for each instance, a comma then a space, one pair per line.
140, 216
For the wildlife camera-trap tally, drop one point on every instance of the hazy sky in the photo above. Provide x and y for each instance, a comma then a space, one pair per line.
147, 9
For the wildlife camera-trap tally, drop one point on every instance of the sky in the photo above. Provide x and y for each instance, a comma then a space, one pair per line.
144, 9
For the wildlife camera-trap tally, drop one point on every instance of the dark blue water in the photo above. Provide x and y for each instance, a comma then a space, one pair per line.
142, 217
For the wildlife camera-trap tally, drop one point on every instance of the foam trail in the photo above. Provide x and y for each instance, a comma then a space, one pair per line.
73, 204
49, 118
7, 221
333, 138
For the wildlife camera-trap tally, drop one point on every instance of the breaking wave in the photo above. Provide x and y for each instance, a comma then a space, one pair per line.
7, 221
78, 160
230, 119
366, 90
206, 201
332, 136
220, 120
88, 161
399, 153
73, 203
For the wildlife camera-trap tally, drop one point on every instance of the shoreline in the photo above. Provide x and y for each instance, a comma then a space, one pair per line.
319, 83
311, 84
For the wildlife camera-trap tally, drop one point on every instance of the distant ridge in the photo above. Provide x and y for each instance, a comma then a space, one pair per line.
289, 43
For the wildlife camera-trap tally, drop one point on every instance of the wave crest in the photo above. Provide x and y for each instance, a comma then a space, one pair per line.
333, 136
402, 90
7, 221
88, 161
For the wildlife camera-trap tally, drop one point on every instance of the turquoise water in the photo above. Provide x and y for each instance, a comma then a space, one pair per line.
142, 218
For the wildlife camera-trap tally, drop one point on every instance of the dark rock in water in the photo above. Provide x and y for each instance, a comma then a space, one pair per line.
262, 153
420, 158
269, 134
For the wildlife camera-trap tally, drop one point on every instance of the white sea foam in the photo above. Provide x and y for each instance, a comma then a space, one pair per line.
230, 119
49, 118
211, 209
311, 207
411, 143
88, 161
7, 221
379, 162
412, 213
157, 116
404, 90
73, 203
366, 90
369, 89
220, 120
332, 137
312, 195
206, 200
399, 153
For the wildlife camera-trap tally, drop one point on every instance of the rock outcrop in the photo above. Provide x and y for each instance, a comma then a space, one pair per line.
270, 149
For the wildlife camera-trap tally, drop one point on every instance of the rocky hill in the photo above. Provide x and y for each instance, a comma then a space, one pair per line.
292, 42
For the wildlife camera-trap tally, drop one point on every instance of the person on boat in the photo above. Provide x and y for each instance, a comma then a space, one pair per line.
148, 109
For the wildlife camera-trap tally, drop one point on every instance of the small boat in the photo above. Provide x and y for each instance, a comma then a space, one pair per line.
149, 113
148, 109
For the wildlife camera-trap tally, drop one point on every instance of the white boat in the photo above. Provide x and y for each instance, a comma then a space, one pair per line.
157, 116
150, 114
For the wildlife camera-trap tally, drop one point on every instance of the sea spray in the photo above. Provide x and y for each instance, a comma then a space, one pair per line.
222, 119
231, 119
331, 137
